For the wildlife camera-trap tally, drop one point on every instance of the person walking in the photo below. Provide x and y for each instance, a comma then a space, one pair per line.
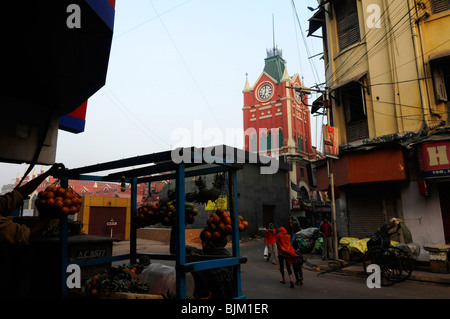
286, 254
327, 247
270, 237
298, 268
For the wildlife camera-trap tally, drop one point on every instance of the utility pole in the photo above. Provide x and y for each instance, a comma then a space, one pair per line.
333, 209
305, 90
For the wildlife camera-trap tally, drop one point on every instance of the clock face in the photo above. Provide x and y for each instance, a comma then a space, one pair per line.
297, 95
265, 91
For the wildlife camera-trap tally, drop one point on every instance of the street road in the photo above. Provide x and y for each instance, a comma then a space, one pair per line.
260, 280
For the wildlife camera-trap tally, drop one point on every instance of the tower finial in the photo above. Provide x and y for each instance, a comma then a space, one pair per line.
273, 34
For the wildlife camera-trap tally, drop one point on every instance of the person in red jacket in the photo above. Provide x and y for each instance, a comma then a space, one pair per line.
270, 242
326, 231
286, 254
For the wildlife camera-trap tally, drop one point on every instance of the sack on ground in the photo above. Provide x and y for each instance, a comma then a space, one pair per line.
162, 280
308, 232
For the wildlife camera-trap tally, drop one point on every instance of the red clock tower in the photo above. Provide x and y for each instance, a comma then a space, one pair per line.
277, 118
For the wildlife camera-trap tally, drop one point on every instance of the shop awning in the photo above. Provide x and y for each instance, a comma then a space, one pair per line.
316, 21
47, 64
355, 78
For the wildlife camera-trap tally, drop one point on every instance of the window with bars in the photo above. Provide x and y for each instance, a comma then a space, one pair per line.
353, 102
347, 23
439, 5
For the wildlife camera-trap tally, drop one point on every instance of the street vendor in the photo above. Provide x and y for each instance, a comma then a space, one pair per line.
13, 233
14, 251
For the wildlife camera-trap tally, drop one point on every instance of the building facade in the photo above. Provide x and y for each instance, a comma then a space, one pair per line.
387, 86
277, 121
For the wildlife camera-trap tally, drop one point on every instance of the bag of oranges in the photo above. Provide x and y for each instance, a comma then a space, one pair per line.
55, 201
219, 226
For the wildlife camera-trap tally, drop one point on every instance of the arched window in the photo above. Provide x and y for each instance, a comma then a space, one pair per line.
269, 141
263, 142
300, 143
253, 143
280, 139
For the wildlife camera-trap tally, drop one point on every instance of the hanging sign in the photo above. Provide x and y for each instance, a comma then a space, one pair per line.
330, 141
296, 204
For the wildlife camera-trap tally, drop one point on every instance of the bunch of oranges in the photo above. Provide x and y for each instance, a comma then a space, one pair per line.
147, 214
57, 200
219, 226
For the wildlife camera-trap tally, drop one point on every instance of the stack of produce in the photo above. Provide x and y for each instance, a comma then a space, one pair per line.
203, 194
55, 201
125, 278
163, 212
219, 226
147, 214
168, 211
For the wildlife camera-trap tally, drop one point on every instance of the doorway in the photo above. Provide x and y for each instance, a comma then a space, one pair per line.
268, 215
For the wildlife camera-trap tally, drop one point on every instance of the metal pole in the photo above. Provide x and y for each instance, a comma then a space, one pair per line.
180, 232
64, 246
232, 191
333, 212
133, 232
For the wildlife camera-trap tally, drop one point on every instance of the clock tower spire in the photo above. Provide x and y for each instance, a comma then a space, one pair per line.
277, 119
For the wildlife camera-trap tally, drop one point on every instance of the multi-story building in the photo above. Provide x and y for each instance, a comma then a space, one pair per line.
277, 121
387, 83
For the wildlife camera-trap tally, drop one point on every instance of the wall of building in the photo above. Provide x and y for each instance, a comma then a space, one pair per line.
422, 215
259, 193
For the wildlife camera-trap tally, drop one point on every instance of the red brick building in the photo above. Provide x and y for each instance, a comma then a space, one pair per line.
277, 120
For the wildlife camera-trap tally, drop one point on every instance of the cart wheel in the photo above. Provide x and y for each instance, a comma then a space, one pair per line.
389, 266
396, 266
405, 263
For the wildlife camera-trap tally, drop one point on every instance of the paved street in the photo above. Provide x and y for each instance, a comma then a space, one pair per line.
260, 280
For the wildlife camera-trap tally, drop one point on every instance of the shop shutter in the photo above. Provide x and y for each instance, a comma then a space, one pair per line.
364, 210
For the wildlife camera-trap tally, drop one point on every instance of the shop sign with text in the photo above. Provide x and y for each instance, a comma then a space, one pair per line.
435, 159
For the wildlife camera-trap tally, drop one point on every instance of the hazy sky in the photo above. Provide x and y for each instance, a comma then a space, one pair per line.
176, 63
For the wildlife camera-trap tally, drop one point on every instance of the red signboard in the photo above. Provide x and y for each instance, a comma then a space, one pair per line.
296, 204
435, 159
330, 141
111, 223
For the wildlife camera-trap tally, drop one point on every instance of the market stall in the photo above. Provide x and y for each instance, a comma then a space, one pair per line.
161, 166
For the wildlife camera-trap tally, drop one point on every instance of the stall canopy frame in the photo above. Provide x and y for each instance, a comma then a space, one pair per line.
199, 163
